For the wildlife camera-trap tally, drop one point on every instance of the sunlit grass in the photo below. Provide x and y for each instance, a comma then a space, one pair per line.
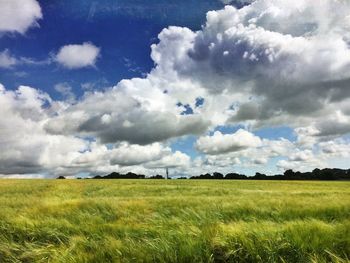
174, 221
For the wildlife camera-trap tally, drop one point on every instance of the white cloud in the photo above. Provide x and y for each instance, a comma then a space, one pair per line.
271, 156
7, 60
220, 143
19, 15
28, 149
303, 160
125, 157
255, 156
128, 155
78, 56
336, 148
278, 62
175, 160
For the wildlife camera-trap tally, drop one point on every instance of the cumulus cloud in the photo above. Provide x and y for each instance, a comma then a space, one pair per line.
27, 148
19, 15
331, 127
253, 156
267, 154
134, 111
222, 143
261, 37
78, 56
128, 155
336, 148
175, 160
279, 62
304, 160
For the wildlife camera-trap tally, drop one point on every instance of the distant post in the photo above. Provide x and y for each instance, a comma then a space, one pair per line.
166, 173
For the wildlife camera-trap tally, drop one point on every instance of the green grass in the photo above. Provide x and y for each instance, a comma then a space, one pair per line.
174, 221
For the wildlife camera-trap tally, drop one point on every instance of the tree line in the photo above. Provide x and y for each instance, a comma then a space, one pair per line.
316, 174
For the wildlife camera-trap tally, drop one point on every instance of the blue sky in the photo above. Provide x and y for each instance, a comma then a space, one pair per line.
198, 86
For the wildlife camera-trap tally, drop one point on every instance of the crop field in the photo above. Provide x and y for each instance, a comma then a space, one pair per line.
174, 221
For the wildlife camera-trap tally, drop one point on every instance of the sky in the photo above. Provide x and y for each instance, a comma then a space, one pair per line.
92, 87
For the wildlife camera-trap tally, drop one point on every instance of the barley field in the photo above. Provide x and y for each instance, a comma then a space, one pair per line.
174, 221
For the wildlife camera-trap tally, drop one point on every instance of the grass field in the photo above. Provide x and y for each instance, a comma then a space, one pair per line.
174, 221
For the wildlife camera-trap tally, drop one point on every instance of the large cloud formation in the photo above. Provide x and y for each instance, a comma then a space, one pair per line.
284, 61
27, 148
270, 63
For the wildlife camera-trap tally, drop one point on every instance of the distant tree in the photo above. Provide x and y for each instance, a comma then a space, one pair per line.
61, 177
156, 177
259, 176
235, 176
218, 175
116, 175
289, 174
202, 176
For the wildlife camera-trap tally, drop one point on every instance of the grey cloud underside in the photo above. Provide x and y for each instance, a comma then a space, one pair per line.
8, 167
289, 96
333, 128
144, 128
120, 117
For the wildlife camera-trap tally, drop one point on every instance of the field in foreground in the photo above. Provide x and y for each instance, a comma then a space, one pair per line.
174, 221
